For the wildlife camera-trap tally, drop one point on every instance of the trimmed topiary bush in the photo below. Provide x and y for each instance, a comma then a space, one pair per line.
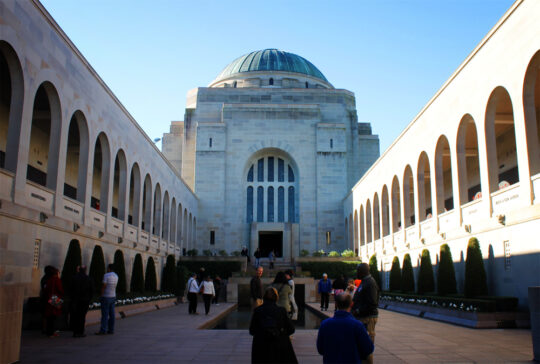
120, 270
192, 252
223, 253
150, 280
426, 283
97, 268
207, 252
374, 270
446, 276
137, 277
348, 253
407, 275
333, 254
333, 269
319, 253
475, 273
395, 275
73, 259
304, 253
181, 279
168, 279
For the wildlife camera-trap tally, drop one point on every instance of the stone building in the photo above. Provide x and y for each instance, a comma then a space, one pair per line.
271, 148
476, 172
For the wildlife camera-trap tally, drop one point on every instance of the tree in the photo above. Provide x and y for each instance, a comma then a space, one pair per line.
181, 278
407, 275
475, 273
395, 275
137, 277
168, 279
120, 270
446, 276
426, 282
97, 268
150, 280
374, 270
72, 261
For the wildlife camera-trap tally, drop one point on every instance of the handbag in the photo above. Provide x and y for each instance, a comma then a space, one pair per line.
55, 301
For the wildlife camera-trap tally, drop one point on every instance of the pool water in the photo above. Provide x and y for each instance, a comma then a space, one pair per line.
240, 319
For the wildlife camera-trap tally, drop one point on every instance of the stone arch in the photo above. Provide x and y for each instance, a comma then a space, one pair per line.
350, 244
408, 197
356, 237
147, 204
468, 162
502, 161
118, 207
531, 106
376, 217
46, 127
423, 178
11, 105
397, 223
165, 222
185, 230
179, 226
369, 234
385, 212
77, 150
362, 226
443, 176
134, 195
190, 231
100, 173
172, 232
156, 211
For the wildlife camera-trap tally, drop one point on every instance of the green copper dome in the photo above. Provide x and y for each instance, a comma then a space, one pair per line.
271, 60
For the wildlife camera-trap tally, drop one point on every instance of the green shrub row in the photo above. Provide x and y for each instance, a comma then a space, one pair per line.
333, 269
212, 268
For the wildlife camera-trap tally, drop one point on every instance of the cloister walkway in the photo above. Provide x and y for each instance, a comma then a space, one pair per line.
171, 336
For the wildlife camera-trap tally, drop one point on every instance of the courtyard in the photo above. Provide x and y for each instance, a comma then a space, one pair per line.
171, 336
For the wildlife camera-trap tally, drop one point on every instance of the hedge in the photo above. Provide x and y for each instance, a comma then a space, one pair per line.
426, 282
374, 270
212, 268
97, 268
137, 276
168, 278
73, 259
407, 275
446, 276
395, 275
120, 270
475, 274
150, 280
478, 304
333, 269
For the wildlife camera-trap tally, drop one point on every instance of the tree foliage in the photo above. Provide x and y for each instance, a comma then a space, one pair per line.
475, 273
407, 275
150, 279
374, 270
395, 275
120, 270
168, 278
137, 277
446, 275
97, 268
73, 259
426, 283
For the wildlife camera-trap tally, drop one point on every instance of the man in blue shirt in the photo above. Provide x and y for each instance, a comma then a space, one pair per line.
342, 338
324, 287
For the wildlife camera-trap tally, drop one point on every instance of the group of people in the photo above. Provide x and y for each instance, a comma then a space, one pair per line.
80, 293
347, 337
201, 283
258, 256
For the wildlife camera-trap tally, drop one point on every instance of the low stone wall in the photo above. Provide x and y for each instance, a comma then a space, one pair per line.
241, 260
94, 316
300, 260
310, 287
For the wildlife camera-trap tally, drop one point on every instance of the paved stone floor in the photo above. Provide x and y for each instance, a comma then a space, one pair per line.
171, 335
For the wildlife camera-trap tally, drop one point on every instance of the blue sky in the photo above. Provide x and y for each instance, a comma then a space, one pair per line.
394, 55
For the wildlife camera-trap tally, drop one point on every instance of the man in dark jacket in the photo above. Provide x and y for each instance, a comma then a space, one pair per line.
342, 339
256, 289
366, 301
324, 288
82, 290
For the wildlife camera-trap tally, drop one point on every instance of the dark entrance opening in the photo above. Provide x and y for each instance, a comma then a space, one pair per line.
271, 240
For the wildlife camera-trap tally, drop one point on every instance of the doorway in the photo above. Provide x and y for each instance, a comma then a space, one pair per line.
271, 240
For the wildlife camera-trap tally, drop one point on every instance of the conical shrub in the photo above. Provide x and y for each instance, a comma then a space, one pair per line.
426, 283
407, 275
73, 259
181, 278
374, 269
475, 273
137, 275
168, 279
120, 270
395, 275
97, 268
446, 275
150, 280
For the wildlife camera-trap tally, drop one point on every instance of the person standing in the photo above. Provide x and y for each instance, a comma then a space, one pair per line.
107, 300
290, 275
49, 270
53, 293
271, 328
217, 287
366, 301
271, 258
82, 291
257, 256
284, 291
193, 289
256, 289
324, 288
342, 339
208, 292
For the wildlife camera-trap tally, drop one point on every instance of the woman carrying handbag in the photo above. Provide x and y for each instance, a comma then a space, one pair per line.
54, 294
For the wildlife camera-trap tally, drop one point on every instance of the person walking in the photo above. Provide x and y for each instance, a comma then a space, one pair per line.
271, 258
256, 289
294, 307
107, 300
284, 291
217, 288
257, 256
324, 288
366, 301
342, 338
271, 328
49, 270
53, 293
193, 289
208, 292
82, 290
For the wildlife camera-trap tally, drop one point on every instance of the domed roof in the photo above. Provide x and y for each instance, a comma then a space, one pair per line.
271, 60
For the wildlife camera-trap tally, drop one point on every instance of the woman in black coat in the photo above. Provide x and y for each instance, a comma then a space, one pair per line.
271, 328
